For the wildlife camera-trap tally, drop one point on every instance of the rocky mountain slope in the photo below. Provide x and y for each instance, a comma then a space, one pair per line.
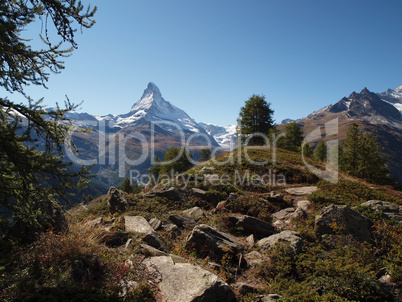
379, 114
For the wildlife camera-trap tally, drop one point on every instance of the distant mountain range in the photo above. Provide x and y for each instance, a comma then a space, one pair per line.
153, 119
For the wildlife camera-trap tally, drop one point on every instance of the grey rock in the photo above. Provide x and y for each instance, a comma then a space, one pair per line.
393, 216
291, 237
182, 221
128, 243
172, 229
184, 282
199, 192
155, 224
348, 221
390, 210
298, 214
304, 205
271, 298
207, 169
384, 206
206, 240
127, 286
170, 193
155, 240
254, 258
283, 214
116, 201
301, 191
250, 241
252, 225
138, 224
194, 212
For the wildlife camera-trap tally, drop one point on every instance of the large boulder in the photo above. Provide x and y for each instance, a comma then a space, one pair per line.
207, 240
116, 201
170, 193
184, 282
340, 219
139, 225
252, 225
294, 240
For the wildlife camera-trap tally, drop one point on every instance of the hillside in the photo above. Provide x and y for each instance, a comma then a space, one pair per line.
227, 230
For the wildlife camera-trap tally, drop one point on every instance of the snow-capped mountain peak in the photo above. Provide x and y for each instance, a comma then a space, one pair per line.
399, 89
151, 96
153, 107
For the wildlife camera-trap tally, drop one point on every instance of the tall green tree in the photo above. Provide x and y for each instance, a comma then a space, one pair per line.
33, 174
155, 170
361, 156
176, 160
205, 154
350, 150
255, 117
320, 152
293, 139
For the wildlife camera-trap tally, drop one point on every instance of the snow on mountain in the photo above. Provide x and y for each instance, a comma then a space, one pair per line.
289, 120
226, 137
151, 107
393, 97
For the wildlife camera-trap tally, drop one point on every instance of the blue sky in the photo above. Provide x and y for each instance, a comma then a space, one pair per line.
208, 57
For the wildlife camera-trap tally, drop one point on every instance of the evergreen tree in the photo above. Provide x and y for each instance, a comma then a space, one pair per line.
205, 154
293, 139
320, 152
360, 156
307, 151
180, 161
255, 117
33, 175
126, 186
155, 170
129, 188
350, 150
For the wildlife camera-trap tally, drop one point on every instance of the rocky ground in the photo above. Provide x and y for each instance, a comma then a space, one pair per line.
213, 252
